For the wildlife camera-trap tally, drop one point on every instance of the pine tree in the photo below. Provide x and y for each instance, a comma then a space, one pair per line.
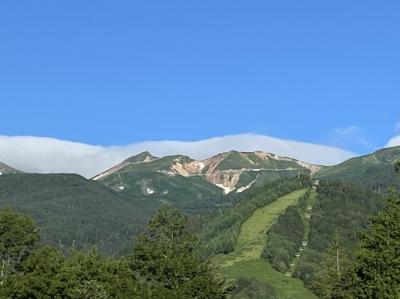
377, 266
376, 271
165, 258
397, 166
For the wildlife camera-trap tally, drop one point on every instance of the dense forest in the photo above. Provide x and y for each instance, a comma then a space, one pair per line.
74, 212
162, 264
341, 209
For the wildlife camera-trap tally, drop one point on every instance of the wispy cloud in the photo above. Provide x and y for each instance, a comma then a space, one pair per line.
397, 127
395, 141
350, 137
48, 155
347, 131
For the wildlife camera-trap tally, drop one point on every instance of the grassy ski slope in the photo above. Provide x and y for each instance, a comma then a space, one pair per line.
246, 259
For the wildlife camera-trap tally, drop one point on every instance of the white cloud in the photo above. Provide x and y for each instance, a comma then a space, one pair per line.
350, 137
48, 155
395, 141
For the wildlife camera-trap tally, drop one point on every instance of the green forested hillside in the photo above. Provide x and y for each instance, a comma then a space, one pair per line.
246, 261
220, 231
74, 212
296, 241
235, 239
268, 239
150, 180
192, 194
374, 171
162, 264
343, 210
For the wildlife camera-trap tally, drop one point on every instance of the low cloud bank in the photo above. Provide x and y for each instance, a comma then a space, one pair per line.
395, 141
49, 155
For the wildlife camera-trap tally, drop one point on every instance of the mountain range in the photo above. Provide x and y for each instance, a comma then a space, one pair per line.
175, 178
117, 203
257, 215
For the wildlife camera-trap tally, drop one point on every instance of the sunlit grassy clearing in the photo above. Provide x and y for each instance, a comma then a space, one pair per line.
260, 269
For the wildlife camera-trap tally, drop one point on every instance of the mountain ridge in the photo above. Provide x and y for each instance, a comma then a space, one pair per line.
375, 170
223, 170
5, 169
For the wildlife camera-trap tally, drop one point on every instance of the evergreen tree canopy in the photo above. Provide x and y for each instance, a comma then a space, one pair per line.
328, 280
164, 257
377, 265
18, 236
397, 167
163, 265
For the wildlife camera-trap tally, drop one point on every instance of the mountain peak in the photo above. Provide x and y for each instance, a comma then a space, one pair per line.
142, 157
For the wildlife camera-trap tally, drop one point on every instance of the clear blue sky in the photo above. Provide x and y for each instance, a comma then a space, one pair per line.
116, 72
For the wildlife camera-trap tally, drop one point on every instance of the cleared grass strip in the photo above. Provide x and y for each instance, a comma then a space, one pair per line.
246, 259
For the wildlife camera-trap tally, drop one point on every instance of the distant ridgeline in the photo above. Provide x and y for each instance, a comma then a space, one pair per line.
74, 212
374, 171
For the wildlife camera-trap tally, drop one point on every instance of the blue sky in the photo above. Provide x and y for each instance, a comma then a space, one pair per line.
117, 72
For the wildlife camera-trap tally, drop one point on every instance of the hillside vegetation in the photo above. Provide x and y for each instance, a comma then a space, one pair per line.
192, 194
220, 230
289, 235
272, 231
343, 210
74, 212
246, 261
198, 185
153, 269
374, 171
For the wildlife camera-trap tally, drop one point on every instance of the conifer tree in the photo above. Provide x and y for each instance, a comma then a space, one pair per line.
165, 258
376, 272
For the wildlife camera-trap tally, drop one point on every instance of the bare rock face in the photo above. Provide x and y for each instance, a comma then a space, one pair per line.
227, 179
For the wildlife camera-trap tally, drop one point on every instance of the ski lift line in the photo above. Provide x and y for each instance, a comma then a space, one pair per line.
307, 215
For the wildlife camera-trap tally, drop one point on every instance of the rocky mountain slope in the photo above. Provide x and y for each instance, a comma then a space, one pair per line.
7, 169
199, 184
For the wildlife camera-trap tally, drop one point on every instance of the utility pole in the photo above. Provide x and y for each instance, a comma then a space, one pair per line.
337, 255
